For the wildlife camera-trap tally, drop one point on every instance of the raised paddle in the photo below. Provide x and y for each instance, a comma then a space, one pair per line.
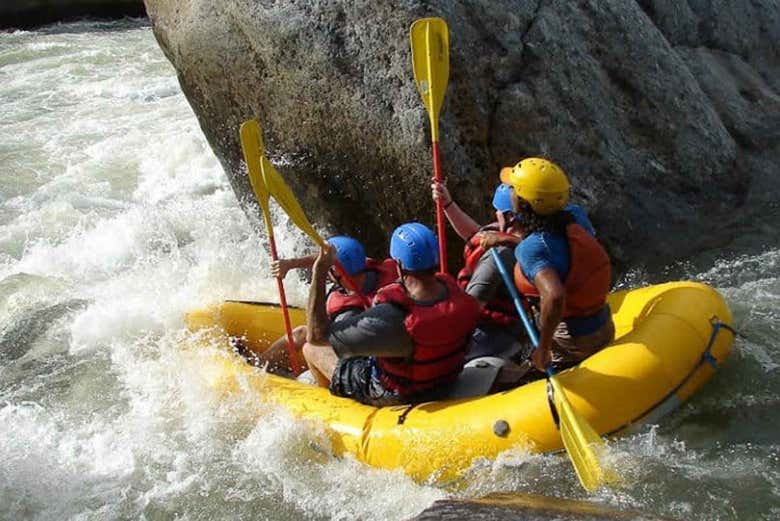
583, 444
430, 42
284, 196
252, 146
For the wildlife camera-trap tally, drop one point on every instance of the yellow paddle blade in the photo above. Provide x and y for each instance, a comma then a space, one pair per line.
430, 39
286, 199
583, 444
266, 181
252, 146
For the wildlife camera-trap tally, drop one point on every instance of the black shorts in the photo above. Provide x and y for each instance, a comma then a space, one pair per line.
357, 378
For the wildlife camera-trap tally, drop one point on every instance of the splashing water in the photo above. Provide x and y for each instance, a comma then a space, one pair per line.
116, 219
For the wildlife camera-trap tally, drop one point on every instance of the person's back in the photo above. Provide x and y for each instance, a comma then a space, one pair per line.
571, 250
560, 264
439, 318
550, 245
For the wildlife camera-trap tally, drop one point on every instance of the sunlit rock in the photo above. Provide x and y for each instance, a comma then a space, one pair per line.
664, 115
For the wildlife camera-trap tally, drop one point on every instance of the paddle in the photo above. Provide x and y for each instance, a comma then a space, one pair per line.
252, 146
430, 42
284, 196
583, 444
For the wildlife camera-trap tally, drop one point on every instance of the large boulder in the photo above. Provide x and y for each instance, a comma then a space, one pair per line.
664, 113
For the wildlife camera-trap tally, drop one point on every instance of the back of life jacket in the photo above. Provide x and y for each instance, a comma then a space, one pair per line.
340, 299
589, 278
472, 252
439, 332
499, 311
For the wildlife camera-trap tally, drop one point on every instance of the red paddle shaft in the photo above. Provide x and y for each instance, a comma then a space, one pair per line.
292, 354
440, 228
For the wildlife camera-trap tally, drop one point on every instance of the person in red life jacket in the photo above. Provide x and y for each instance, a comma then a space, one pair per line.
410, 346
560, 264
368, 274
499, 332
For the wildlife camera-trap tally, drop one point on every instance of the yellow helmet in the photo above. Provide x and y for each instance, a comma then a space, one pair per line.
540, 182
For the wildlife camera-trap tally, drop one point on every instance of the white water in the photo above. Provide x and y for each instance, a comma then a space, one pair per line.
116, 219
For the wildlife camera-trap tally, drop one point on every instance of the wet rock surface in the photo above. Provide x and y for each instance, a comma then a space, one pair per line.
666, 115
527, 507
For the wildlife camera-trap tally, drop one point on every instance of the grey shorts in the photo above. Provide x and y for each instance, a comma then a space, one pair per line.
499, 341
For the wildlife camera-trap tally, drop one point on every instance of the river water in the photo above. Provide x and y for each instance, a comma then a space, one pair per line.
116, 218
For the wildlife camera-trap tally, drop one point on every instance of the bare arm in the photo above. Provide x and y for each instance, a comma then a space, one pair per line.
317, 330
492, 239
279, 268
461, 222
552, 301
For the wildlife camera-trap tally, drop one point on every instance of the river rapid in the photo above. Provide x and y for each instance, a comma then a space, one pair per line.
116, 219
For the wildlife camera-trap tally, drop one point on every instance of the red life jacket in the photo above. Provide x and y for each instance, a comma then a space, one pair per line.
341, 300
439, 332
499, 311
589, 278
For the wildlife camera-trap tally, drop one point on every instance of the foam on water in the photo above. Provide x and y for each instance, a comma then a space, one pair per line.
112, 204
126, 209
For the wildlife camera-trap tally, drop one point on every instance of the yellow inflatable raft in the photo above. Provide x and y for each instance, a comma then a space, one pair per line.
670, 338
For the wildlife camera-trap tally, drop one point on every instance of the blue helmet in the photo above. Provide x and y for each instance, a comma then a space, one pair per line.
414, 247
502, 199
350, 253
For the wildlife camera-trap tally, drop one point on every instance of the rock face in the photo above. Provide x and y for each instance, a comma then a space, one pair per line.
528, 507
30, 13
665, 114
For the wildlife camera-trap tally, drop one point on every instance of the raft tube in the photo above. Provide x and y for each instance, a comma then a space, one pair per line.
669, 340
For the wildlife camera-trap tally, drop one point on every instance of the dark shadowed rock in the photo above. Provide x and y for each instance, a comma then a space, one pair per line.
665, 114
526, 507
31, 13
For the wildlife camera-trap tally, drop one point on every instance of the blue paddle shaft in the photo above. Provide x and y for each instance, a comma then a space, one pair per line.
510, 285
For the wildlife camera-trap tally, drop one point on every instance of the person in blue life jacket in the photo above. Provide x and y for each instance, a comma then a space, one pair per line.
561, 267
499, 331
409, 346
368, 274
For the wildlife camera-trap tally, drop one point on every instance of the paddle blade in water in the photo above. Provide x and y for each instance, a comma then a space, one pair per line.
583, 444
252, 146
430, 39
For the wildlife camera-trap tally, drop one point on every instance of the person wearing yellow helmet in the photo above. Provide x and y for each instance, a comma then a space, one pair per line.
540, 182
561, 267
